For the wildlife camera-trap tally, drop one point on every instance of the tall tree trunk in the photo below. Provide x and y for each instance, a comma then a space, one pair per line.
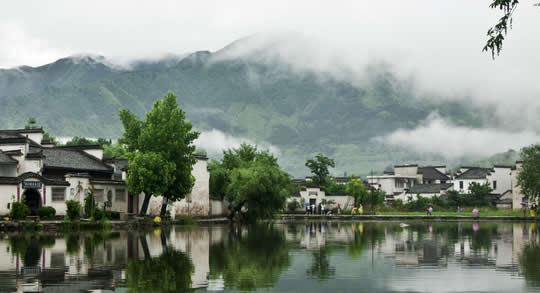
164, 207
144, 245
163, 241
145, 204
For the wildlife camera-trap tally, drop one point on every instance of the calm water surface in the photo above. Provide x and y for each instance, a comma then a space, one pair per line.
287, 257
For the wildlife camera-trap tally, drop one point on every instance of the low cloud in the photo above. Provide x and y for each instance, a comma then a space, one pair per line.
215, 142
441, 137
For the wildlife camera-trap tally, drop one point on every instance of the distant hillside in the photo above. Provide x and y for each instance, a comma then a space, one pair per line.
507, 158
301, 114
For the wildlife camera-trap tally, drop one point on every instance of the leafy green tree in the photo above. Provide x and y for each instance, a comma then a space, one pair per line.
529, 174
219, 179
331, 186
479, 193
163, 137
497, 33
115, 150
374, 198
250, 178
357, 189
31, 124
76, 140
319, 167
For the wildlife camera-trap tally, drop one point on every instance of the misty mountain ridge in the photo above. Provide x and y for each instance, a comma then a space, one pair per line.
253, 96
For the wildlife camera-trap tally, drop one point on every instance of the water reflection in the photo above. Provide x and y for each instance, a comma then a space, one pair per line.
308, 256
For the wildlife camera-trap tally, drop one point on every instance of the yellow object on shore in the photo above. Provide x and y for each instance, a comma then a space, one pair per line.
533, 213
360, 210
353, 211
157, 220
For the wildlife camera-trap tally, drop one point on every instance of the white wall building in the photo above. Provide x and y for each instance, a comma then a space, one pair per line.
197, 203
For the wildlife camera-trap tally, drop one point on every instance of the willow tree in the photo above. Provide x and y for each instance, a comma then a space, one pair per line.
250, 178
161, 152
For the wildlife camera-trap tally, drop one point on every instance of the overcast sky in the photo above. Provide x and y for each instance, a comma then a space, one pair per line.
436, 43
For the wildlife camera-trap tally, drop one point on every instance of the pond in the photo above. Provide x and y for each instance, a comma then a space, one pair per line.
311, 256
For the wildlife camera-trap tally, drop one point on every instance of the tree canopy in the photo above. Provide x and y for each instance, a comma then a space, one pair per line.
529, 175
497, 33
356, 188
160, 146
250, 178
319, 167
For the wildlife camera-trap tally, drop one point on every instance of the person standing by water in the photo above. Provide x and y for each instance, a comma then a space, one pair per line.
459, 210
533, 210
524, 208
322, 209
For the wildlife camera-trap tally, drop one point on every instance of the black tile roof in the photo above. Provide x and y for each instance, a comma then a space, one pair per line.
11, 137
106, 181
6, 159
28, 175
81, 147
475, 173
431, 173
65, 158
429, 188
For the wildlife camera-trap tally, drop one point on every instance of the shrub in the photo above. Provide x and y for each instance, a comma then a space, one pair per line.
73, 209
19, 210
98, 214
89, 205
397, 204
293, 205
46, 212
112, 215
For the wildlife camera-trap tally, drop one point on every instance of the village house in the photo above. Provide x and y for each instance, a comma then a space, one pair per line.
407, 181
46, 175
314, 195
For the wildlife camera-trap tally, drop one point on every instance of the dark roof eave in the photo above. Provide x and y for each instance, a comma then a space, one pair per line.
108, 171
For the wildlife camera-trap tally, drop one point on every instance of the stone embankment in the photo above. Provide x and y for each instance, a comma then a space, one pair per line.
402, 217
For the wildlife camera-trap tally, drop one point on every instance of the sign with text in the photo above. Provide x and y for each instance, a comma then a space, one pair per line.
31, 185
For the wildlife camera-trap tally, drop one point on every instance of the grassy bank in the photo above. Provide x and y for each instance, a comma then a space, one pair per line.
484, 212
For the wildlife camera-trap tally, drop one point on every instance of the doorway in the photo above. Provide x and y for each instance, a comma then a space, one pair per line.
32, 198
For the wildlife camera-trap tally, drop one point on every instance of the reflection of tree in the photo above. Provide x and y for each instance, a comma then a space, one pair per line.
320, 266
529, 260
248, 262
93, 239
29, 248
171, 272
364, 235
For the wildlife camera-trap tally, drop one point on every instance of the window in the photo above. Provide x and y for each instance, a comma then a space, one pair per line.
99, 195
58, 194
120, 195
494, 184
460, 184
313, 193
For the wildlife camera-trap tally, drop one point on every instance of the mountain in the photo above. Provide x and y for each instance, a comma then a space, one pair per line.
301, 113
